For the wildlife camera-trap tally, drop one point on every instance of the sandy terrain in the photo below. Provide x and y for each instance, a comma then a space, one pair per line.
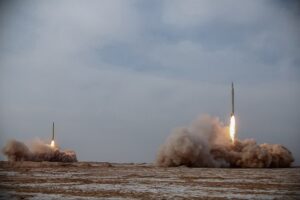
44, 180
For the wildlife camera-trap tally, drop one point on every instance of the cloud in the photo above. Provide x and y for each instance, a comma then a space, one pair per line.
108, 71
186, 14
64, 28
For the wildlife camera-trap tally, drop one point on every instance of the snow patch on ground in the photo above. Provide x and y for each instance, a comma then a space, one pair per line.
150, 182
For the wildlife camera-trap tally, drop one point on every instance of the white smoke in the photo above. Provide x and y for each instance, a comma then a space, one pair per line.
38, 151
206, 143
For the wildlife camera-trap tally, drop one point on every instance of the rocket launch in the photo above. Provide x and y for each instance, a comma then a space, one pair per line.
232, 99
52, 141
232, 118
207, 142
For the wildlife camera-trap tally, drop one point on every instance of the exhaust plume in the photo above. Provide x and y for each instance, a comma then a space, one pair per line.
38, 151
206, 143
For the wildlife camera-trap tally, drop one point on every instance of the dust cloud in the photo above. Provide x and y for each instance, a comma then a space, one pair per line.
206, 143
37, 151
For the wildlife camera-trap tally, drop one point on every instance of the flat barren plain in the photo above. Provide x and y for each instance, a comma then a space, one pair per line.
91, 180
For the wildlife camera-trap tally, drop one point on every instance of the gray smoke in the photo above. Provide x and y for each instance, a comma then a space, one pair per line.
206, 143
38, 151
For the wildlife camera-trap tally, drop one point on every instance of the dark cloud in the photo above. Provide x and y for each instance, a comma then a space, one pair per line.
126, 72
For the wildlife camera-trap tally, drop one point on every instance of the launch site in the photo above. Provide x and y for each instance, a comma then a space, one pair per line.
82, 180
136, 99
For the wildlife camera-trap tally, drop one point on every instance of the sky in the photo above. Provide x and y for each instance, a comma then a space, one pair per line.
117, 76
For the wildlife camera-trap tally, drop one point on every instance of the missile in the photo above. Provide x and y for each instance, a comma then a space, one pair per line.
232, 99
53, 131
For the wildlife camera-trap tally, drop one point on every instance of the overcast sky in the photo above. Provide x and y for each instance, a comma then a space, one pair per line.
117, 76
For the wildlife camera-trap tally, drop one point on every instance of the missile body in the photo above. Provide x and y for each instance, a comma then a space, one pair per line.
53, 131
232, 99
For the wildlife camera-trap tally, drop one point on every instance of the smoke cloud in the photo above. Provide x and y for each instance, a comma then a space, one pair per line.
38, 151
206, 143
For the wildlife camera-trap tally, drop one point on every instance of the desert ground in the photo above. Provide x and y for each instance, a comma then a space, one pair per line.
91, 180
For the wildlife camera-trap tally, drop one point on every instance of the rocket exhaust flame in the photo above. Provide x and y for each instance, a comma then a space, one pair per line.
52, 144
232, 128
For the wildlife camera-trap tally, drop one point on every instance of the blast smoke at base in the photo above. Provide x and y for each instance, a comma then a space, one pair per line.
17, 151
206, 143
